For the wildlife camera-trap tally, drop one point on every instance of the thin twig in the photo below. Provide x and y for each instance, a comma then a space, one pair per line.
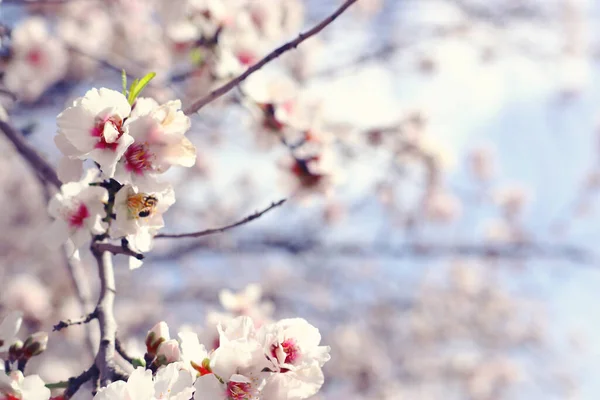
206, 232
83, 294
115, 249
42, 167
121, 351
215, 94
105, 359
75, 383
83, 320
424, 250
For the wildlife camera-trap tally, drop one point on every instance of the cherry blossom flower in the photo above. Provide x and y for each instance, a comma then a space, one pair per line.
15, 386
94, 128
236, 387
139, 216
38, 60
237, 364
292, 346
193, 353
78, 210
168, 352
171, 382
273, 95
292, 343
247, 302
87, 29
139, 386
159, 142
8, 329
194, 19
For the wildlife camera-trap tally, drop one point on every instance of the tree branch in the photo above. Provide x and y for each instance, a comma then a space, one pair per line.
121, 351
206, 232
215, 94
83, 320
44, 170
75, 383
114, 249
425, 250
105, 359
82, 291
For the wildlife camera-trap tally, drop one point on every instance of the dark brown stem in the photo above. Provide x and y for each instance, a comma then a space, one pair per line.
42, 167
114, 249
83, 320
121, 351
76, 382
215, 94
206, 232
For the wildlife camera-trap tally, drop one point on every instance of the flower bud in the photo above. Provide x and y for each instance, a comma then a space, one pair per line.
168, 352
15, 351
204, 368
35, 344
158, 334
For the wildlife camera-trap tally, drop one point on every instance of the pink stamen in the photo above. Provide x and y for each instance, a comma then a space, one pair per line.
291, 350
77, 218
138, 159
239, 391
98, 131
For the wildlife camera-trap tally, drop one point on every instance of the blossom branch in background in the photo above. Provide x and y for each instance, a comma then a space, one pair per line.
43, 169
511, 251
215, 94
206, 232
82, 292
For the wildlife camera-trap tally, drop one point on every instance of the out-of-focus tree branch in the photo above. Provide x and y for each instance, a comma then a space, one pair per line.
515, 251
82, 292
42, 167
215, 94
207, 232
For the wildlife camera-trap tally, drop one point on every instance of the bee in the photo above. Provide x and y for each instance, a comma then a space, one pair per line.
142, 205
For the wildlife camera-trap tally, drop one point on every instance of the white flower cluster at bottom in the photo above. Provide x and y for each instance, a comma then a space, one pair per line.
279, 361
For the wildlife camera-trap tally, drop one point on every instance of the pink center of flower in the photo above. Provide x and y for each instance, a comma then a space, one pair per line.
98, 131
79, 215
138, 158
12, 397
239, 391
291, 350
35, 57
246, 57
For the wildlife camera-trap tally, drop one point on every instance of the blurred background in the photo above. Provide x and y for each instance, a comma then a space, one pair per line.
440, 161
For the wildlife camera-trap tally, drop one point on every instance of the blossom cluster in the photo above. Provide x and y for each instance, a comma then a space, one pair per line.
131, 141
213, 38
13, 384
280, 360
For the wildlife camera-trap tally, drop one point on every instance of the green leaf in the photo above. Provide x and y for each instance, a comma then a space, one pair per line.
124, 81
138, 85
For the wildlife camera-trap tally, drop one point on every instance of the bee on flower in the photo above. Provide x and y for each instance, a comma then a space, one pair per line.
139, 216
